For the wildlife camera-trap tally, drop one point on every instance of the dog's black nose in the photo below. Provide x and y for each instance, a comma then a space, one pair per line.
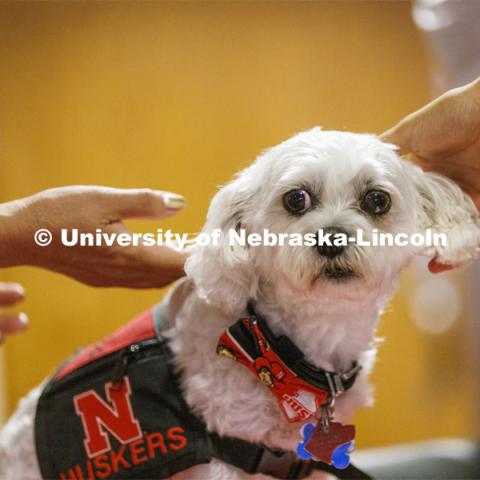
326, 247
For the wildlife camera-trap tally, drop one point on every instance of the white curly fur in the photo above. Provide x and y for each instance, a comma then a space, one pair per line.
333, 322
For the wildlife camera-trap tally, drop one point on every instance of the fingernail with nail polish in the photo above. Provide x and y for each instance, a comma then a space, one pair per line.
173, 201
18, 289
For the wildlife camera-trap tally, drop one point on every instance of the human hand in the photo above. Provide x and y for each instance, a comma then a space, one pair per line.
444, 136
87, 209
10, 295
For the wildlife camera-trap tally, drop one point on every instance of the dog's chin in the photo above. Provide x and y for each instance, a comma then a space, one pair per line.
338, 274
334, 283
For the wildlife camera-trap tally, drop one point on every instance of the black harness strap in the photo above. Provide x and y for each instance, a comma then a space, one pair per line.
254, 458
281, 464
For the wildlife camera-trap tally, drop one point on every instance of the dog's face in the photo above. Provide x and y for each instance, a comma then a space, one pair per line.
335, 182
339, 184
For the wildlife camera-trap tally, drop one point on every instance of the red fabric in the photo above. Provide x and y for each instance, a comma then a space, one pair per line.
138, 329
298, 399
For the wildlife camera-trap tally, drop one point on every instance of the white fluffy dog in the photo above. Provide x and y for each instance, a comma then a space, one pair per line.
326, 300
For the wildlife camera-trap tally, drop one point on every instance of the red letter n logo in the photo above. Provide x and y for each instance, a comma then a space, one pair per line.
98, 417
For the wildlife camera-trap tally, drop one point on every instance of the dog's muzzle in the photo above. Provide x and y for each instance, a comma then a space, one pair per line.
329, 250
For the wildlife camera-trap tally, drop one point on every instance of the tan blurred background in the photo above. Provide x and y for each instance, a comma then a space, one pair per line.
179, 96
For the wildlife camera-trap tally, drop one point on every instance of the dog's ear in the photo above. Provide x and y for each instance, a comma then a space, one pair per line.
222, 271
445, 208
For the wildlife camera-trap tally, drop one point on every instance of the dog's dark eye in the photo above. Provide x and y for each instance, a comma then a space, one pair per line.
376, 202
297, 201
